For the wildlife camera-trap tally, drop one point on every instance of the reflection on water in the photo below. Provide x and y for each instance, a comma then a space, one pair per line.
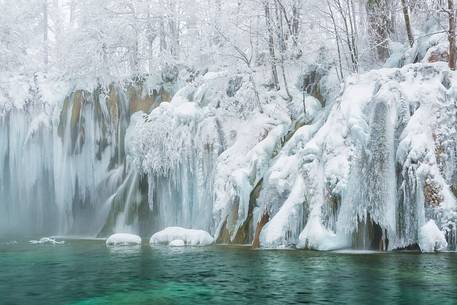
87, 272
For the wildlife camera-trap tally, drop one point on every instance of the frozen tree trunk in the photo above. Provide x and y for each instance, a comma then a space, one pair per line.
173, 27
295, 22
150, 55
163, 41
451, 35
45, 36
58, 31
353, 33
337, 39
271, 46
379, 27
348, 30
282, 42
72, 11
151, 38
409, 30
174, 33
135, 60
354, 20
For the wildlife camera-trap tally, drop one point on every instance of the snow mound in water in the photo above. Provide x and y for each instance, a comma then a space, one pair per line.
173, 236
123, 239
431, 238
46, 241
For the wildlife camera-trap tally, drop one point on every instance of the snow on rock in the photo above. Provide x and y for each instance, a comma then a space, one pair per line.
176, 236
47, 241
431, 238
123, 239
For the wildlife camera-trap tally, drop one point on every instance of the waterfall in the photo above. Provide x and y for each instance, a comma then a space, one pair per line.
27, 199
61, 165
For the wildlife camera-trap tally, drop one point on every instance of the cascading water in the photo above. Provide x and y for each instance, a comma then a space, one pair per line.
27, 200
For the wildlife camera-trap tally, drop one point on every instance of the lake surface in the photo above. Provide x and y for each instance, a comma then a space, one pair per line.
87, 273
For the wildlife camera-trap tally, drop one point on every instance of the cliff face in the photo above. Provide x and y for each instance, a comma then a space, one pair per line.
374, 169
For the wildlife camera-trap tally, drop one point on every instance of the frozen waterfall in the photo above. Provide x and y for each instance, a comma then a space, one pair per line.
367, 171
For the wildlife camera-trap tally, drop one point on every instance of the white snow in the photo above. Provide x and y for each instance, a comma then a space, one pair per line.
123, 239
431, 238
175, 236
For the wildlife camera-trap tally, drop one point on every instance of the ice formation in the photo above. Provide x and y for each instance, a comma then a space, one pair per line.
123, 239
176, 237
374, 172
371, 170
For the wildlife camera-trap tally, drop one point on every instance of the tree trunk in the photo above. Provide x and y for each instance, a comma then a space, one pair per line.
409, 31
45, 32
72, 12
337, 39
135, 65
271, 47
379, 27
174, 33
451, 34
349, 33
295, 22
151, 37
282, 49
354, 20
162, 34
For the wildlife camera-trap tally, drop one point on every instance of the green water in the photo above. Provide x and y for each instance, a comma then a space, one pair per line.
83, 273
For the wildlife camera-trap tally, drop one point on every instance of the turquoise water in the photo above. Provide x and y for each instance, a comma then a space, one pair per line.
83, 273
